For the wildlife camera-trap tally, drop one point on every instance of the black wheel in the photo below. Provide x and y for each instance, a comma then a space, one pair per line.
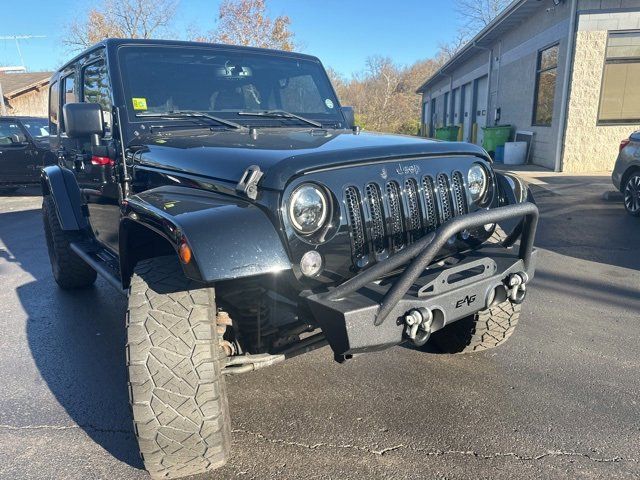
486, 329
631, 193
176, 388
69, 270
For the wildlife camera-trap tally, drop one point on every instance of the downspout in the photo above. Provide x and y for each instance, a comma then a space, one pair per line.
566, 84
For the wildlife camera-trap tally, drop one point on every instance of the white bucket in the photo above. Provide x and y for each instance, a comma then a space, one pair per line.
515, 153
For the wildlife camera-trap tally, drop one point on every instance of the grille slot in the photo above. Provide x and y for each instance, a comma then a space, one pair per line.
430, 203
352, 200
459, 194
398, 213
414, 225
374, 200
395, 215
445, 197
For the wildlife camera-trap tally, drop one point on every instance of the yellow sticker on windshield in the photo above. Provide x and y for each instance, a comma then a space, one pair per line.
139, 103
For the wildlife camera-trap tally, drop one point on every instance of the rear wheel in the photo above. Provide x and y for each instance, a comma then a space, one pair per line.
486, 329
631, 195
176, 387
69, 270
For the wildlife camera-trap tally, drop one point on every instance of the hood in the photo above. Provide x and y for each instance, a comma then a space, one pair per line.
282, 154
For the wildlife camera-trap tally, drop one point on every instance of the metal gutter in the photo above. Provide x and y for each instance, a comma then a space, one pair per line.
566, 86
508, 11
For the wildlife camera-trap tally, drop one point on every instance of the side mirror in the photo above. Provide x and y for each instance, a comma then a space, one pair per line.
82, 120
349, 116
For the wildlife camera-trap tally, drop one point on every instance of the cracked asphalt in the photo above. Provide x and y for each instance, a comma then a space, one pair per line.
560, 400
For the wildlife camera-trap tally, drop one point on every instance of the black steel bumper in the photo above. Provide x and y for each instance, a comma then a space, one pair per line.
366, 312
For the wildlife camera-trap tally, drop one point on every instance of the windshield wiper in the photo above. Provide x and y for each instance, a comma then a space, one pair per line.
281, 114
189, 114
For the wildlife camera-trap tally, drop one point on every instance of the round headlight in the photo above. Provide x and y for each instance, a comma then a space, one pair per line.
308, 208
477, 181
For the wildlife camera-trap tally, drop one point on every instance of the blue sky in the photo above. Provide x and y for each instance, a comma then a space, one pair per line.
342, 33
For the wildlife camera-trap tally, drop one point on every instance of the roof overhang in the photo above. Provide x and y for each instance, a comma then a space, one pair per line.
513, 15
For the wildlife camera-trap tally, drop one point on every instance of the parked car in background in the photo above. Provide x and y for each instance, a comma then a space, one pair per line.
24, 151
626, 173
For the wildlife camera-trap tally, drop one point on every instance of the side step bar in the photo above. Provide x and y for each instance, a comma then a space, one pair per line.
102, 267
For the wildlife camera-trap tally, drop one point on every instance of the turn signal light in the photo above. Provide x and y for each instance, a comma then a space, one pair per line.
184, 252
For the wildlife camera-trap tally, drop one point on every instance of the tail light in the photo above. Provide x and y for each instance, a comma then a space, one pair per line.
624, 143
103, 161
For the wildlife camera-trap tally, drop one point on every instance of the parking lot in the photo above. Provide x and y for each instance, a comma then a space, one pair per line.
560, 400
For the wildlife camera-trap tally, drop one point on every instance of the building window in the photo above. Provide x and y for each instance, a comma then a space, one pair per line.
546, 76
619, 94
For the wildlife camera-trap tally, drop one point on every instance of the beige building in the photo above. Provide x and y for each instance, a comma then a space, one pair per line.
565, 70
24, 93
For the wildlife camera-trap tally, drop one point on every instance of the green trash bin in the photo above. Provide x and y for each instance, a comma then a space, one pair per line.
495, 137
449, 133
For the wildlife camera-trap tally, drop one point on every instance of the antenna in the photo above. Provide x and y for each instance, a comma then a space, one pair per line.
17, 39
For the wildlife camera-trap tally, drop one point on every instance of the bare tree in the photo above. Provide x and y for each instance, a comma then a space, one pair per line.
446, 50
247, 22
477, 14
383, 95
121, 19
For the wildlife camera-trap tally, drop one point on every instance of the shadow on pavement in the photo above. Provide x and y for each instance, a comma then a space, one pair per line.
576, 221
76, 339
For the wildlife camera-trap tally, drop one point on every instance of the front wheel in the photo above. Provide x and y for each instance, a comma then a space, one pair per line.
176, 388
631, 195
486, 329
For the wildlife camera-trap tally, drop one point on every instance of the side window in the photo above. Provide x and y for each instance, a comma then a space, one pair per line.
54, 107
68, 92
95, 89
8, 132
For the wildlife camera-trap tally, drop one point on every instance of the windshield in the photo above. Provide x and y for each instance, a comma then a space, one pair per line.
38, 128
226, 84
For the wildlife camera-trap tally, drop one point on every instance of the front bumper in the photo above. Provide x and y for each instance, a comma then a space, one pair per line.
366, 312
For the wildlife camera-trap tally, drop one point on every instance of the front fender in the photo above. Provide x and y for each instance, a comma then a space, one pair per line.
61, 184
512, 189
229, 238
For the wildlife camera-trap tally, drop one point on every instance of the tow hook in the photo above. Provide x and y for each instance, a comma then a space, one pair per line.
516, 284
418, 325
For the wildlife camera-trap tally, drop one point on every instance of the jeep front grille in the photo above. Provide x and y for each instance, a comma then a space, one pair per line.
384, 217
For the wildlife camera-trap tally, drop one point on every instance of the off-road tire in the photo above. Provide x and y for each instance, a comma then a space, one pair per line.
69, 270
486, 329
176, 389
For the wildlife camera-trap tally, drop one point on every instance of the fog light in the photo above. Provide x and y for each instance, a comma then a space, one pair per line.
465, 235
311, 263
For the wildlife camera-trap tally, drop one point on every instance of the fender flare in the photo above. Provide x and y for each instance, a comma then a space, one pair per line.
61, 184
229, 238
512, 189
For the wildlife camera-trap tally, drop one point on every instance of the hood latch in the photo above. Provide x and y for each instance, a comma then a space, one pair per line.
248, 184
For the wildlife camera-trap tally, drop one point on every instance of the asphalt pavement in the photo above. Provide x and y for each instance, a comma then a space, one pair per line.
560, 400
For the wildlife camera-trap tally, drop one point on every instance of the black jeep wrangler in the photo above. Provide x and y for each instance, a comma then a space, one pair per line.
230, 196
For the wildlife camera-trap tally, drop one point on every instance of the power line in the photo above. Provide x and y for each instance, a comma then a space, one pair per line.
17, 39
